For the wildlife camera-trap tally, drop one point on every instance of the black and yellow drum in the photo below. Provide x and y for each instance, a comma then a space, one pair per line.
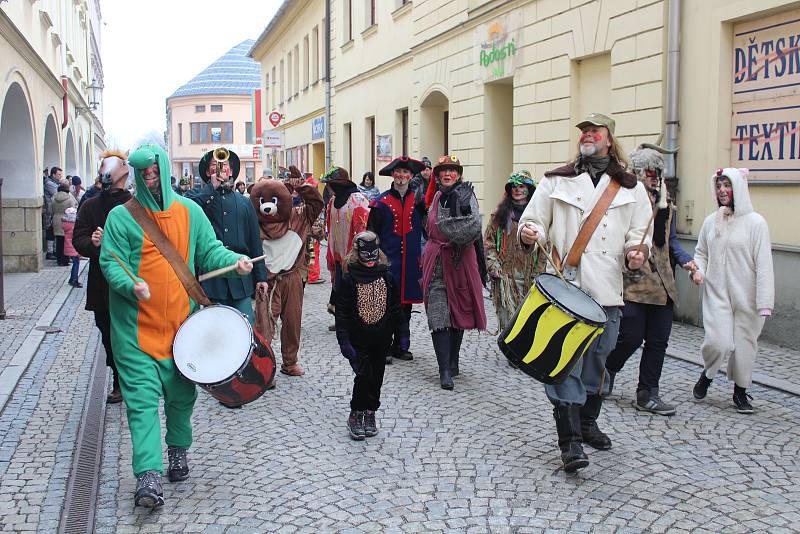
552, 329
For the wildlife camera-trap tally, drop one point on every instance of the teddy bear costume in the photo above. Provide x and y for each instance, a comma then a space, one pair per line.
284, 230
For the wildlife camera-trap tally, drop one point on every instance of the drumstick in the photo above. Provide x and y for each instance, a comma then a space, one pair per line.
135, 281
552, 262
652, 218
224, 270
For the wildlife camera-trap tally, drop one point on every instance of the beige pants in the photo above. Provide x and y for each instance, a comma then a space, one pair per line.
731, 334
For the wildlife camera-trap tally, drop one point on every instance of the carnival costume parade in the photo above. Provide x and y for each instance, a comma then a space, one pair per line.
188, 290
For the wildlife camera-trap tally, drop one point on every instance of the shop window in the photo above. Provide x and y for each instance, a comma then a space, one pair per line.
250, 171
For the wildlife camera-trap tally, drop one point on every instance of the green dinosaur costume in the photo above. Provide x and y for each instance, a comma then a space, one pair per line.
143, 331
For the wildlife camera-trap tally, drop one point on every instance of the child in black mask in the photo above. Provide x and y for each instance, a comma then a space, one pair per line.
367, 310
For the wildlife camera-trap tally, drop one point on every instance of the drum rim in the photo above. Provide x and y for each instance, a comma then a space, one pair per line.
241, 366
566, 310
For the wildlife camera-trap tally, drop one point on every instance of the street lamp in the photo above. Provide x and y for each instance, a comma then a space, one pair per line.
94, 98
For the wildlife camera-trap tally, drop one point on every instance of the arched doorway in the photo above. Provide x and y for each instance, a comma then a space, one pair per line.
18, 167
434, 125
70, 163
88, 171
52, 154
17, 156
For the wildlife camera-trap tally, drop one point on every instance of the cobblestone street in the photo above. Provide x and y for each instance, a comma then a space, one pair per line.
482, 458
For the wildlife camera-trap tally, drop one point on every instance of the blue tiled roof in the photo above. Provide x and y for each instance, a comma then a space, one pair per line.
232, 74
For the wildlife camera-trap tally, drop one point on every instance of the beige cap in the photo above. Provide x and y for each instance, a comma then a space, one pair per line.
598, 119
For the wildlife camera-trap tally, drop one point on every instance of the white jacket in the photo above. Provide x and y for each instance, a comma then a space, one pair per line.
559, 207
737, 263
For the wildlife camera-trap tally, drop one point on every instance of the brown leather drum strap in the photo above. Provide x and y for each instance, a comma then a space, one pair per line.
590, 225
168, 250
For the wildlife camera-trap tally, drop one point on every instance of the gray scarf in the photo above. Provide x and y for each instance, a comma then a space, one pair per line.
594, 165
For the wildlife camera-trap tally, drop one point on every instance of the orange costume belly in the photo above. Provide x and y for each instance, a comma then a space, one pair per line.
160, 317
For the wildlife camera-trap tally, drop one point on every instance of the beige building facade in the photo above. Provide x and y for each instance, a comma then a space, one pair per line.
291, 51
192, 128
49, 56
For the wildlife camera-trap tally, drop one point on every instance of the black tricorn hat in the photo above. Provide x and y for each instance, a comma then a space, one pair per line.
205, 162
403, 162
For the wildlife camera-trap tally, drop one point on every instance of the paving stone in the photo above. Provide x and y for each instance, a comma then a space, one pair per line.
440, 462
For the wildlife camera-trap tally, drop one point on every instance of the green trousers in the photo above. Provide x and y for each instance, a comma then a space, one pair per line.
144, 380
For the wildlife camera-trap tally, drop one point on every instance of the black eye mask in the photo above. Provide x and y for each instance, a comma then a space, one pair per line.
368, 249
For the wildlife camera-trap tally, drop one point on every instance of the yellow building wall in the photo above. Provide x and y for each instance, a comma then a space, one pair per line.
553, 40
705, 111
300, 102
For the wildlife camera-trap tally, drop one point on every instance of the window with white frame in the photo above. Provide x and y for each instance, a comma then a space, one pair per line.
296, 69
282, 83
369, 12
348, 21
305, 61
315, 54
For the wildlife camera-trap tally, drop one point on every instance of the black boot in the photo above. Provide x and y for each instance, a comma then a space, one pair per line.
456, 336
700, 389
742, 400
568, 426
441, 345
592, 435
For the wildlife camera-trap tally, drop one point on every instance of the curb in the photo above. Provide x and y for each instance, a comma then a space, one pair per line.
10, 376
758, 378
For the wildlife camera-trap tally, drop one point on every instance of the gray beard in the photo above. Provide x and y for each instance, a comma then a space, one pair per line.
588, 150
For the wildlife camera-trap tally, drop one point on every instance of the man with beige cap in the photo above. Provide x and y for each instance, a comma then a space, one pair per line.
559, 207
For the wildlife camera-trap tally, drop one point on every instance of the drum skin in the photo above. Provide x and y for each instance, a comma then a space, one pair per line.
545, 339
250, 381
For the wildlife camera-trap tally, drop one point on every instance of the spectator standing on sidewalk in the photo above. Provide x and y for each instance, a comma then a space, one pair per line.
68, 224
61, 201
76, 189
87, 239
367, 310
368, 188
51, 184
734, 265
650, 292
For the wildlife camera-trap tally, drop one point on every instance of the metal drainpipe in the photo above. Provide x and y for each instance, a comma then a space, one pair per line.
673, 68
328, 86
